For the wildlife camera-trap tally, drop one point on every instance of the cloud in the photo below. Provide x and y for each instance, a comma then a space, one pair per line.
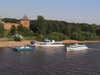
3, 8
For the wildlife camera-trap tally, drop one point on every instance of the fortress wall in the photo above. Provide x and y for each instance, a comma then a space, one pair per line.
24, 21
0, 20
8, 25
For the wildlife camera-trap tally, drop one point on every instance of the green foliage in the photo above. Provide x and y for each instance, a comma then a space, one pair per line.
30, 38
10, 20
76, 31
98, 32
67, 30
13, 30
53, 36
17, 39
6, 34
24, 31
88, 35
83, 36
41, 25
1, 30
20, 28
40, 37
77, 36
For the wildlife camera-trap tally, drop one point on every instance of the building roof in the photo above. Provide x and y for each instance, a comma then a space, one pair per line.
25, 17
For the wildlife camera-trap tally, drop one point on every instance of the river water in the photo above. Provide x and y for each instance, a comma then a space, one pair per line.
50, 61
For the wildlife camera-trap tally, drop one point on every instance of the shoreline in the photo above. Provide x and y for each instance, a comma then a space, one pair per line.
25, 42
75, 41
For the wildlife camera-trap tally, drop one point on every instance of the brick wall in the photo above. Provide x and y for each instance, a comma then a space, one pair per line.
25, 23
0, 20
8, 25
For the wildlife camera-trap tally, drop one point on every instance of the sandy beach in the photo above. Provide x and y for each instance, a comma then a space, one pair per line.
25, 42
75, 41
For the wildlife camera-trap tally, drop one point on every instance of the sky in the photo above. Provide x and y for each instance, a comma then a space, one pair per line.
77, 11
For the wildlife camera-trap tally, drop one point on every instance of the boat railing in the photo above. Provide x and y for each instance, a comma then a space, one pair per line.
73, 46
77, 45
43, 43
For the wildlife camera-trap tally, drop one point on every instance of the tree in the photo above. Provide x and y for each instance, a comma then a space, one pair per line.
67, 30
71, 30
17, 39
11, 20
13, 30
20, 28
98, 32
88, 35
77, 36
41, 25
49, 28
1, 30
56, 36
30, 33
40, 37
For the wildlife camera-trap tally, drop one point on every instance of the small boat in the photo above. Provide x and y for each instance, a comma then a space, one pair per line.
49, 43
19, 48
76, 47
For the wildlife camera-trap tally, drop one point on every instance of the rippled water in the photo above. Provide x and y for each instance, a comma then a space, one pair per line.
50, 61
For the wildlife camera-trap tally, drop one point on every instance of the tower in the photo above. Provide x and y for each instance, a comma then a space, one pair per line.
25, 21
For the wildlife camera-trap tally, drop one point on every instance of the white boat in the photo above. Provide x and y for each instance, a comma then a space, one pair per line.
49, 43
76, 47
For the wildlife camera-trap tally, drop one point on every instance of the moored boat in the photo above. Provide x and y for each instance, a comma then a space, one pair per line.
76, 47
19, 48
49, 43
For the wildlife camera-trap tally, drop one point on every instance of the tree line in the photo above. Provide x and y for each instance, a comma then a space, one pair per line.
75, 31
60, 30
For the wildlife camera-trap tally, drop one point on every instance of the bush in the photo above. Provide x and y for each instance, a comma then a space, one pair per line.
77, 36
1, 30
17, 39
40, 37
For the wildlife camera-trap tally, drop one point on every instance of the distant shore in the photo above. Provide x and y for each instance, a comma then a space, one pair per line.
75, 41
10, 43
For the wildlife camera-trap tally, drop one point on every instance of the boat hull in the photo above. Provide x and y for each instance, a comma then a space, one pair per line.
49, 45
77, 49
19, 49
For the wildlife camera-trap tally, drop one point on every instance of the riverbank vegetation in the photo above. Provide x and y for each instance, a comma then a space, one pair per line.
57, 30
54, 29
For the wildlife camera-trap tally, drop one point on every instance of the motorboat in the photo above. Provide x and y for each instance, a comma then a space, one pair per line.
19, 48
49, 43
77, 47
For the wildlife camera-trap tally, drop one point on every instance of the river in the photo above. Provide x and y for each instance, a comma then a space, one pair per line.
51, 61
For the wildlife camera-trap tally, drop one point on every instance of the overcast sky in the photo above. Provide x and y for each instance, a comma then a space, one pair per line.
78, 11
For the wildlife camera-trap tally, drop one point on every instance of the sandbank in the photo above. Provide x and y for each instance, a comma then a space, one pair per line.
75, 41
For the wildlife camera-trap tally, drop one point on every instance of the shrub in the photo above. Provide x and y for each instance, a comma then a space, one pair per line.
17, 39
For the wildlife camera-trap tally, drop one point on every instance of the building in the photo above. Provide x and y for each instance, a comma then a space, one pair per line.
24, 21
